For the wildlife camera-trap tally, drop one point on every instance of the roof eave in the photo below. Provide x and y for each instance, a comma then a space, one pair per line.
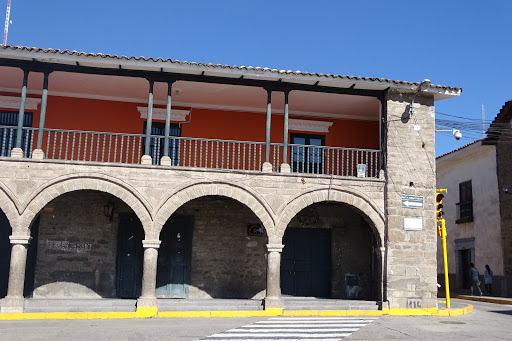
175, 66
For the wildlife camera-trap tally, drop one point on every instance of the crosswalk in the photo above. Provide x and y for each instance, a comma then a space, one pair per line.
295, 329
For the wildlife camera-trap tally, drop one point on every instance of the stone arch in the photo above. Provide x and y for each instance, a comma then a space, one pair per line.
196, 190
356, 199
9, 205
44, 194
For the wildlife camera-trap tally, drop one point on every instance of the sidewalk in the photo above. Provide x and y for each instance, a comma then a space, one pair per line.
488, 299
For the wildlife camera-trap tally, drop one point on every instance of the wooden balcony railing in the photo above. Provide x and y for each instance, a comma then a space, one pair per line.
89, 146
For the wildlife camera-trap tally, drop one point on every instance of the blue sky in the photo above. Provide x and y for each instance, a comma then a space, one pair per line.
456, 43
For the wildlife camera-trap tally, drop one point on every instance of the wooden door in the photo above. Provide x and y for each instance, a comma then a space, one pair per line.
5, 253
306, 262
174, 257
130, 255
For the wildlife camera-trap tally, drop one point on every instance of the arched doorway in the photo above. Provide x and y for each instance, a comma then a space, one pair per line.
330, 251
212, 247
82, 238
5, 253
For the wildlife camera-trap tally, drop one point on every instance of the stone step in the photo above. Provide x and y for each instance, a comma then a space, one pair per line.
328, 304
208, 305
39, 305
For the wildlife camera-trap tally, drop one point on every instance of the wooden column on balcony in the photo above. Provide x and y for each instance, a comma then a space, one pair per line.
146, 158
267, 167
285, 166
17, 152
38, 153
166, 160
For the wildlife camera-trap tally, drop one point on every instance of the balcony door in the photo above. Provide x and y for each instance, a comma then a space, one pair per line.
156, 145
306, 156
8, 133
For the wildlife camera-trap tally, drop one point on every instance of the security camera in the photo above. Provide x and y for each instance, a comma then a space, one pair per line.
457, 134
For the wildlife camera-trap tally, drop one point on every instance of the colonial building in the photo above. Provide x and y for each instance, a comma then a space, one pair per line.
144, 178
478, 207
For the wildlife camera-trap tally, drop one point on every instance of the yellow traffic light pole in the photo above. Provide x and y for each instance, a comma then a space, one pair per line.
442, 233
445, 260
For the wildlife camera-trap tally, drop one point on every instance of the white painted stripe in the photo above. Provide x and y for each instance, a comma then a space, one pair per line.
292, 330
327, 318
315, 339
311, 325
282, 335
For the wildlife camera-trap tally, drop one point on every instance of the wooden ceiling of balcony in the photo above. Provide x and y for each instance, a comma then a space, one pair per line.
195, 94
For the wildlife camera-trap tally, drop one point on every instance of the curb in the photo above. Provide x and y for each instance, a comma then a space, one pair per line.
152, 312
485, 299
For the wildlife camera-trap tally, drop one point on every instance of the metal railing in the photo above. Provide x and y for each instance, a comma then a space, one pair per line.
89, 146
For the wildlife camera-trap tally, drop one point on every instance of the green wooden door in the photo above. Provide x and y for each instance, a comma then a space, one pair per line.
5, 253
174, 257
306, 262
130, 255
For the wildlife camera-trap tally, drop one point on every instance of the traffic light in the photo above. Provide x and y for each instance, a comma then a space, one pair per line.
439, 206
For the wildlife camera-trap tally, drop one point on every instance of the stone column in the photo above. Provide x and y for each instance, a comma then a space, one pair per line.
14, 301
148, 297
273, 298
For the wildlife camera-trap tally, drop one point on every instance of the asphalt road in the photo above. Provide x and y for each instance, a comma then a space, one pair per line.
487, 322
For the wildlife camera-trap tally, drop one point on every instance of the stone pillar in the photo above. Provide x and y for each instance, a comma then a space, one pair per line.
148, 297
273, 298
14, 301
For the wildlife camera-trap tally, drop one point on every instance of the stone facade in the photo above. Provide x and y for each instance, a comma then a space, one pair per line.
407, 268
411, 273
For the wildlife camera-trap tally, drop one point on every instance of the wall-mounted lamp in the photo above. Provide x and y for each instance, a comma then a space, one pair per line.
422, 87
506, 189
108, 210
456, 133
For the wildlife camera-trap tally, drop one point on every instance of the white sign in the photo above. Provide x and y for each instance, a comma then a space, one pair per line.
412, 201
413, 224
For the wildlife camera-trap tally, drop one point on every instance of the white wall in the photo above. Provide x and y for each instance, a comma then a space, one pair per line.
477, 163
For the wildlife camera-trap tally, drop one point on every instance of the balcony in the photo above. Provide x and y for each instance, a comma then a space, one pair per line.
108, 147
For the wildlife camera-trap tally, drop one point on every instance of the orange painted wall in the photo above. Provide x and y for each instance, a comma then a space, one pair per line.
121, 117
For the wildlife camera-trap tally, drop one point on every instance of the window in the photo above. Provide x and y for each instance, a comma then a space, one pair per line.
8, 135
156, 145
465, 205
306, 156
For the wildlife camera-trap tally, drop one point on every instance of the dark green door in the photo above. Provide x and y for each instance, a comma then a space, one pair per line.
306, 262
129, 256
174, 256
5, 253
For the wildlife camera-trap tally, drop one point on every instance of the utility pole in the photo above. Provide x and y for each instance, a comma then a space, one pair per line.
6, 27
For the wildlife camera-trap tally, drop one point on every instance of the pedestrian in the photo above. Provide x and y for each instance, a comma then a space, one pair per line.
488, 276
475, 279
